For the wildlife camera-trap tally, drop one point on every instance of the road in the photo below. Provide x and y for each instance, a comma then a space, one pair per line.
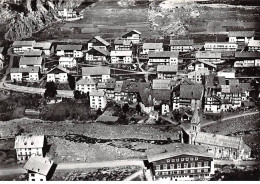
231, 117
131, 177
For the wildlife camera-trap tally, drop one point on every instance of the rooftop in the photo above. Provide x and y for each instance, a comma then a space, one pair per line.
98, 49
34, 141
23, 43
97, 93
39, 165
208, 55
62, 69
66, 59
247, 54
163, 54
96, 70
42, 45
69, 47
167, 68
30, 69
30, 61
162, 95
86, 81
102, 40
162, 84
191, 91
181, 42
122, 42
153, 46
121, 53
32, 52
241, 33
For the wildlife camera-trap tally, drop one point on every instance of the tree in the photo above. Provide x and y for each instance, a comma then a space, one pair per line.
138, 108
51, 90
99, 112
125, 108
72, 82
77, 94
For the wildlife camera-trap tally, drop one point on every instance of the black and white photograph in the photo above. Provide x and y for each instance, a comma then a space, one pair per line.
129, 90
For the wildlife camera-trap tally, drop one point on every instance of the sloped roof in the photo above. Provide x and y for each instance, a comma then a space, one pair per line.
129, 33
101, 51
164, 95
102, 40
118, 86
23, 43
122, 42
146, 97
254, 43
152, 45
230, 43
39, 165
213, 80
106, 118
97, 70
181, 42
121, 53
43, 45
167, 68
241, 33
66, 59
33, 52
86, 81
191, 91
97, 93
30, 61
62, 69
208, 55
30, 69
69, 47
218, 140
247, 54
162, 84
177, 149
163, 54
34, 141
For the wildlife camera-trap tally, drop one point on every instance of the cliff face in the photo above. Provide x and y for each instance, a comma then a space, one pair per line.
39, 14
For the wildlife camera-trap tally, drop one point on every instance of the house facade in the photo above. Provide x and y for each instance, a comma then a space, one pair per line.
74, 51
97, 55
28, 74
101, 73
86, 85
26, 146
58, 74
20, 46
163, 58
31, 62
46, 47
181, 45
241, 36
254, 45
220, 46
152, 47
167, 71
120, 44
121, 57
134, 36
247, 59
98, 99
197, 76
99, 42
67, 62
67, 13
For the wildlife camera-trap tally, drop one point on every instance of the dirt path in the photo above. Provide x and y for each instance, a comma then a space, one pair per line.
131, 177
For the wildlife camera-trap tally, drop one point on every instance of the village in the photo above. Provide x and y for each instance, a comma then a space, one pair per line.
161, 96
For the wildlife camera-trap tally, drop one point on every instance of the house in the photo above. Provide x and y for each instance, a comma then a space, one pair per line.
197, 76
254, 45
28, 74
101, 73
132, 89
96, 55
110, 86
181, 45
180, 162
27, 146
227, 74
120, 44
162, 98
134, 36
33, 53
86, 85
198, 65
1, 58
241, 36
220, 46
167, 71
38, 168
70, 51
247, 59
97, 41
163, 84
146, 101
163, 58
67, 62
58, 74
152, 47
211, 57
118, 93
46, 47
121, 56
98, 99
223, 147
20, 46
31, 62
67, 13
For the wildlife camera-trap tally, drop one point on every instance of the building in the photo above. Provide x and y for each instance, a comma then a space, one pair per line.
163, 58
97, 41
38, 168
28, 74
98, 99
167, 71
198, 65
31, 62
96, 55
180, 162
33, 53
120, 44
86, 85
26, 146
181, 45
227, 74
224, 147
134, 36
163, 84
241, 36
162, 98
197, 76
121, 56
254, 45
67, 62
220, 46
70, 51
46, 47
247, 59
101, 73
58, 74
20, 46
211, 57
152, 47
67, 13
1, 58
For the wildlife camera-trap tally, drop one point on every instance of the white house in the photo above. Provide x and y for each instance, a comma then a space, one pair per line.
26, 146
67, 13
29, 74
101, 73
30, 61
134, 36
33, 53
211, 57
247, 59
254, 45
98, 99
241, 36
67, 62
97, 41
163, 58
181, 45
20, 46
58, 74
220, 46
1, 58
46, 47
69, 51
197, 76
38, 168
152, 47
167, 71
96, 55
86, 85
121, 56
120, 44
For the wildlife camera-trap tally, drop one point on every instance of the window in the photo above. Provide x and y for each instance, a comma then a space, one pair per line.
185, 171
173, 160
185, 165
164, 166
172, 166
191, 159
199, 170
193, 164
219, 151
33, 179
206, 164
205, 170
168, 160
192, 171
196, 158
182, 159
177, 160
187, 159
32, 175
199, 164
158, 167
178, 172
178, 166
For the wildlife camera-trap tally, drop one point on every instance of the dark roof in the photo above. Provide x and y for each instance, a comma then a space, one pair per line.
191, 91
111, 83
162, 95
163, 54
134, 87
106, 118
98, 49
59, 68
146, 97
30, 69
30, 61
181, 42
130, 33
33, 52
97, 70
23, 43
247, 54
39, 165
208, 55
167, 68
241, 33
101, 40
69, 47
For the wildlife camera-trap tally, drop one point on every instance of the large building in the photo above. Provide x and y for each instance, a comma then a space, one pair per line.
167, 71
134, 36
31, 62
211, 57
254, 45
152, 47
98, 99
86, 85
121, 56
101, 73
74, 51
181, 45
99, 42
180, 162
220, 46
163, 58
241, 36
28, 74
58, 74
20, 46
